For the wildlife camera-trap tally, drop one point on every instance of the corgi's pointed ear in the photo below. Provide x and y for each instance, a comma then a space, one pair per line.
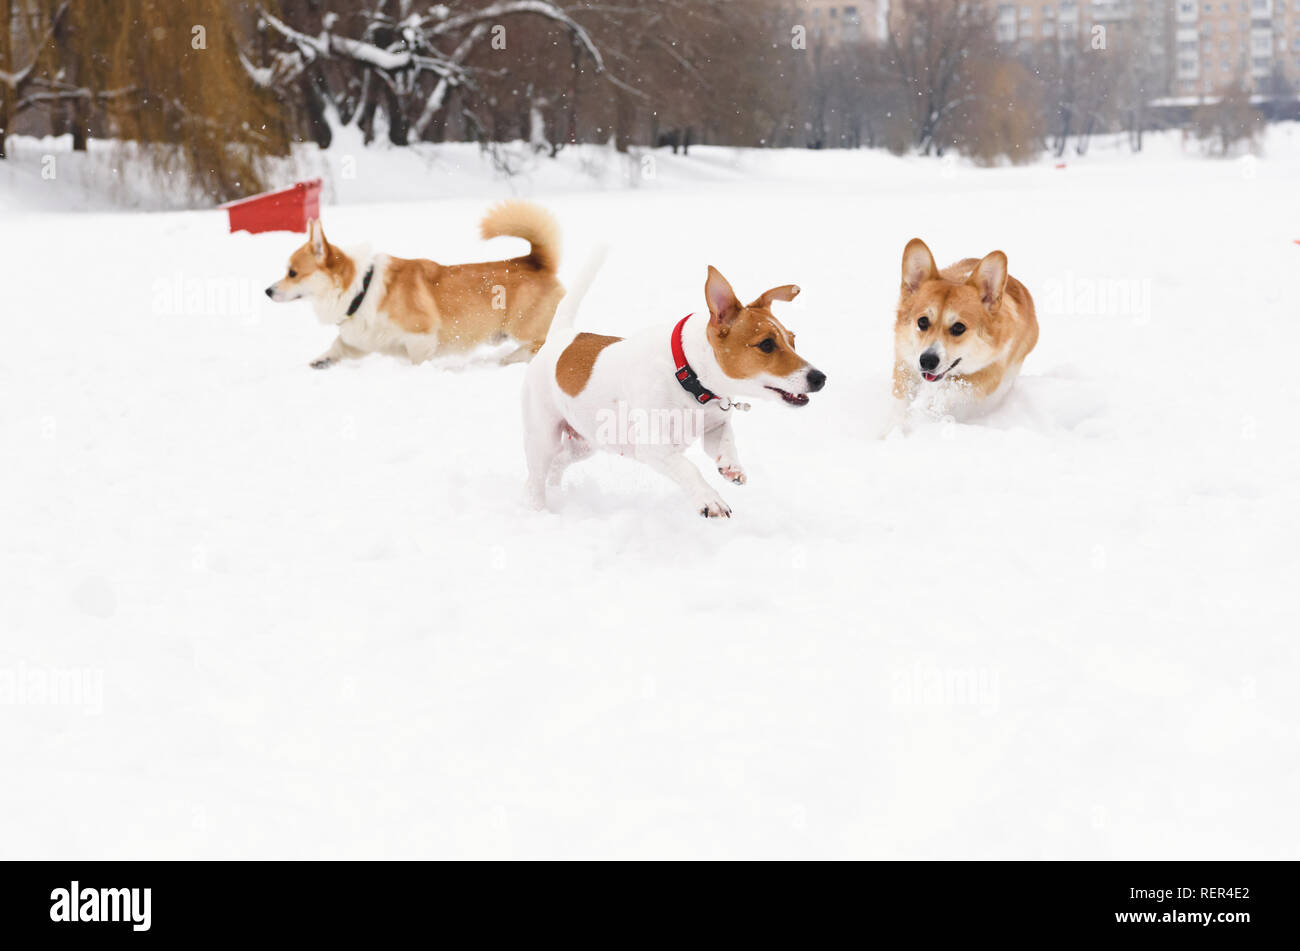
990, 279
316, 235
786, 292
918, 266
724, 307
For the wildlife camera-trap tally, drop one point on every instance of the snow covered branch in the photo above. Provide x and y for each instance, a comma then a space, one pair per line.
58, 93
498, 11
390, 57
434, 103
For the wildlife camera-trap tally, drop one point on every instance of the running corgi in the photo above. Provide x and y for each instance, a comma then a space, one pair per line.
418, 308
966, 329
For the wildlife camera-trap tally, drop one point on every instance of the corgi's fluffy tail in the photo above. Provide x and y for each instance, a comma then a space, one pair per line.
577, 289
536, 225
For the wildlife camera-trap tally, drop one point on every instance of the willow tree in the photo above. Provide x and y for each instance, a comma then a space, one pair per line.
30, 31
190, 105
165, 77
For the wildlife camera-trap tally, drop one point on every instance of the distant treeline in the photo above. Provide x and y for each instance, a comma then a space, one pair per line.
220, 86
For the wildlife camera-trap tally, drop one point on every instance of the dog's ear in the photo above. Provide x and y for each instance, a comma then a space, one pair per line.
316, 235
990, 279
724, 307
918, 266
786, 292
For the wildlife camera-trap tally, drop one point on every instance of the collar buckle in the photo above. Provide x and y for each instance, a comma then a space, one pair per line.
687, 377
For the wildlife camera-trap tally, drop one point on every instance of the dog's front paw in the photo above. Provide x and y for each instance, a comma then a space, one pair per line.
321, 363
733, 474
715, 508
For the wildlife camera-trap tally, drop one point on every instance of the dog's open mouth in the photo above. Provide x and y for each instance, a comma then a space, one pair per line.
936, 377
794, 399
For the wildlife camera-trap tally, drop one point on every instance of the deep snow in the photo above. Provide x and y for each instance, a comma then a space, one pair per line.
293, 613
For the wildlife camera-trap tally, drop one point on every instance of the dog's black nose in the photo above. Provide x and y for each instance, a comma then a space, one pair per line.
929, 360
270, 292
816, 380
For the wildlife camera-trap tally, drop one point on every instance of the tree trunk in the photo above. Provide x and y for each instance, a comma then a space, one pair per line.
575, 58
4, 120
397, 125
80, 121
313, 96
625, 113
7, 64
1063, 136
1086, 136
437, 131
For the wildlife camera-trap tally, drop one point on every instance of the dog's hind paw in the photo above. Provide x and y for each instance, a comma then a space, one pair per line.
322, 363
733, 474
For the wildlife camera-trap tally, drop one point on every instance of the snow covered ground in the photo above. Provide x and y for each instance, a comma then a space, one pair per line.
248, 609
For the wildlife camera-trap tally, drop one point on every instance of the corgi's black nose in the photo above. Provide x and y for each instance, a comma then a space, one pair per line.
816, 380
270, 292
929, 360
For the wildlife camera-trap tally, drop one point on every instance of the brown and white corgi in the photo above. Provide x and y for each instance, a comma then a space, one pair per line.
418, 308
650, 396
961, 334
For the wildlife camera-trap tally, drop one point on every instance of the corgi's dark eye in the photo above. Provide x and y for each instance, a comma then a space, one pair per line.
957, 329
292, 272
768, 345
924, 323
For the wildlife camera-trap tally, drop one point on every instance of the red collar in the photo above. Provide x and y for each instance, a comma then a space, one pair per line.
685, 375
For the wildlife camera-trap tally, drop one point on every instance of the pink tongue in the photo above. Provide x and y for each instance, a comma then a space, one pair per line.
931, 377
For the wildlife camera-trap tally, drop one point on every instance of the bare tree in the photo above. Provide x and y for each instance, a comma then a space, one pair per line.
1003, 121
1077, 90
1136, 60
932, 44
666, 50
1228, 121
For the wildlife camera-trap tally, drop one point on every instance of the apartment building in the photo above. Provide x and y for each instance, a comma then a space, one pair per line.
834, 22
1194, 47
1035, 21
1218, 41
1144, 26
1197, 45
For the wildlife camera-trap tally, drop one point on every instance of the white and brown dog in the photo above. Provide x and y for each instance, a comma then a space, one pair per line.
960, 334
649, 397
418, 308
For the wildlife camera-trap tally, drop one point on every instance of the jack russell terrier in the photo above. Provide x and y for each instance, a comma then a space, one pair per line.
650, 396
418, 308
